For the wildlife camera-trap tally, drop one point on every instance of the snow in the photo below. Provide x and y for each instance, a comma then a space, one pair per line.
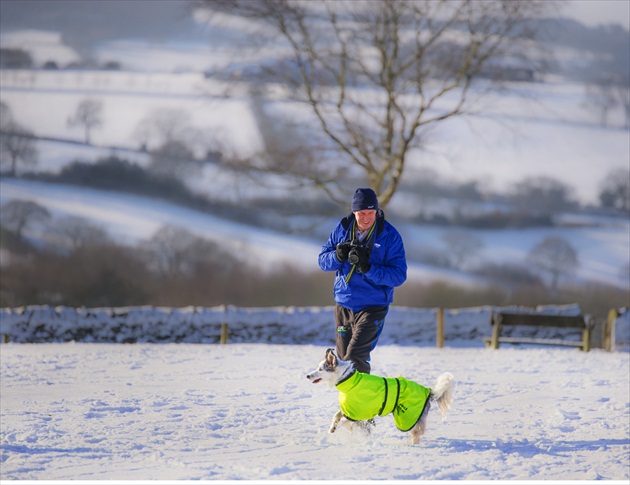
244, 411
276, 325
503, 150
128, 98
599, 12
79, 407
78, 411
88, 409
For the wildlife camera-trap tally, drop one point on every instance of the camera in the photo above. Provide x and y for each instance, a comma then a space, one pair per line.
355, 250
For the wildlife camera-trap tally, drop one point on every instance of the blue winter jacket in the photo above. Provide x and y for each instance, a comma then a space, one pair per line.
388, 266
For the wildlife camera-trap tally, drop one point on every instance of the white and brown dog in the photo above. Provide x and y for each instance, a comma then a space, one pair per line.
364, 396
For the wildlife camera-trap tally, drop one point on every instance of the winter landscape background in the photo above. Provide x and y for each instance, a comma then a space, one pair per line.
528, 129
80, 410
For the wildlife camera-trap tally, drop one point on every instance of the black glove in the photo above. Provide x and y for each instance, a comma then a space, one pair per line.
343, 248
364, 264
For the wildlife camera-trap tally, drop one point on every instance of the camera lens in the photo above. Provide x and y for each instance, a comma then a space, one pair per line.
353, 257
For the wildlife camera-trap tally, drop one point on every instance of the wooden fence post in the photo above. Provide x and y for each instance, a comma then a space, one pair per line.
440, 328
224, 333
609, 330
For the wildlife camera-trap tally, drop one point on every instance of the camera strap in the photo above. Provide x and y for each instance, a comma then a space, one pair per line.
367, 240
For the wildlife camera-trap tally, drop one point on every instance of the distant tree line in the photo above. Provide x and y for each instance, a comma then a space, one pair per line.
82, 266
16, 58
117, 174
78, 264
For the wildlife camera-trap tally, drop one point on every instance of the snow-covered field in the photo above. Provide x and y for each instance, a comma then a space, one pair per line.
82, 412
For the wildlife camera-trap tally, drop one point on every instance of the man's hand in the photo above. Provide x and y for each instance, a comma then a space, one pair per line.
363, 265
343, 248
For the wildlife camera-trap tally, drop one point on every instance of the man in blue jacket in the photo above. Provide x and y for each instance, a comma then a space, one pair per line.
368, 255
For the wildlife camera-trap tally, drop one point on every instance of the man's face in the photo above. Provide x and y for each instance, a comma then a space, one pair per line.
365, 219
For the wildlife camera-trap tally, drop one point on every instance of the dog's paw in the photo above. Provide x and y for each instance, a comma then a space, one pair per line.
332, 429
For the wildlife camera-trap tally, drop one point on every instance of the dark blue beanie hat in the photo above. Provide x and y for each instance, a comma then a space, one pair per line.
364, 199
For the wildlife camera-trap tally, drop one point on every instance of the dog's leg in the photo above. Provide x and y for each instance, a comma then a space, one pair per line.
421, 426
365, 426
336, 418
418, 430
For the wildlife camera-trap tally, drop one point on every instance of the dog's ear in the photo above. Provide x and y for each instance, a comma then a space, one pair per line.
331, 358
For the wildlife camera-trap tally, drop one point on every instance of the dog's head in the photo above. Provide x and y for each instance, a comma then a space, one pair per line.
327, 371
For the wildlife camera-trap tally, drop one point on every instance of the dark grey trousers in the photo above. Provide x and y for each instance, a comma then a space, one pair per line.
358, 333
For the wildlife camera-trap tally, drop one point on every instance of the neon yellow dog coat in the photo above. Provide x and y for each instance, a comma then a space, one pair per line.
363, 396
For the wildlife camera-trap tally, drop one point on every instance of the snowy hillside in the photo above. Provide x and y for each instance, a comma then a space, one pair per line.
531, 129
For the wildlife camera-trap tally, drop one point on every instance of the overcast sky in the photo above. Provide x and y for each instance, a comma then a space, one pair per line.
598, 12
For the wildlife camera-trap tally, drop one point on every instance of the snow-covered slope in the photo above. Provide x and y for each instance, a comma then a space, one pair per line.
532, 129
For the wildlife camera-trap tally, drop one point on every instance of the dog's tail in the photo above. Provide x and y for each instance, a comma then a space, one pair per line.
442, 392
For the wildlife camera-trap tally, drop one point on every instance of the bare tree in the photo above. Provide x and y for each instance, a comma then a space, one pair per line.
174, 159
554, 255
18, 214
6, 116
542, 196
166, 125
72, 232
600, 95
287, 147
89, 115
377, 74
622, 93
170, 137
175, 252
615, 190
461, 246
17, 146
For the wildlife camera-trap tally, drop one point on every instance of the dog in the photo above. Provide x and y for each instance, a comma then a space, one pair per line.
365, 396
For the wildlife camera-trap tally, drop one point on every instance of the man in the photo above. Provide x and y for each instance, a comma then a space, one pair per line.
368, 255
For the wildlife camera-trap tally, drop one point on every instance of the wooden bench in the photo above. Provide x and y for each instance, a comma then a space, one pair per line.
499, 320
